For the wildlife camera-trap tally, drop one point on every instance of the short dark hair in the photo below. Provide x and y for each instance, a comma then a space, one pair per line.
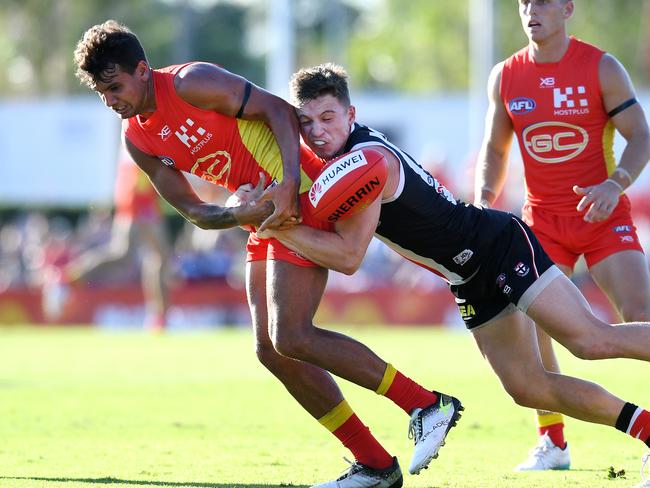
324, 79
103, 49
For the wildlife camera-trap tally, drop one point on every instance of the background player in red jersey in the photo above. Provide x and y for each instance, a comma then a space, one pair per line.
507, 277
137, 231
201, 119
563, 99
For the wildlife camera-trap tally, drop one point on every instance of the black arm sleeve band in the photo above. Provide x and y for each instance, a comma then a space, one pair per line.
247, 93
622, 107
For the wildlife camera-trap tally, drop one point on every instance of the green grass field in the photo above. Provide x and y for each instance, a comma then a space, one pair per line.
82, 408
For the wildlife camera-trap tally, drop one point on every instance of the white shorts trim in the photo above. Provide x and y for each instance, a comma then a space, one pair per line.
538, 286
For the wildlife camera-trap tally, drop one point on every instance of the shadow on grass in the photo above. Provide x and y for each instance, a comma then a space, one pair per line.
114, 481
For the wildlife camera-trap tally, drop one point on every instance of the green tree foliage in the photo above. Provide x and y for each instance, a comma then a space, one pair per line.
405, 45
37, 38
422, 45
415, 45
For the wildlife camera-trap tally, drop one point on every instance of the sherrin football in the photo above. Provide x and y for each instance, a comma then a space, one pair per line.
348, 184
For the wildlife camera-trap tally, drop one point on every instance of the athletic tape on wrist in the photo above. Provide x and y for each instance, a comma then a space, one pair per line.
620, 187
624, 173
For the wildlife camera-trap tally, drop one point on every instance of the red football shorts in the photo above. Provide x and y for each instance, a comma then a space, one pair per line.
262, 249
566, 238
135, 198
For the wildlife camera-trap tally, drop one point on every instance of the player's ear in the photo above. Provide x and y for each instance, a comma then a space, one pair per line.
568, 9
142, 70
352, 115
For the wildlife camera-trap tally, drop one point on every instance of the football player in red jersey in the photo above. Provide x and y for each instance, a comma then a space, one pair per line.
496, 268
564, 98
138, 227
201, 119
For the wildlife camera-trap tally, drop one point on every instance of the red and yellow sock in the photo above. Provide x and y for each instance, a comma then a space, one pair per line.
635, 421
404, 392
552, 424
348, 428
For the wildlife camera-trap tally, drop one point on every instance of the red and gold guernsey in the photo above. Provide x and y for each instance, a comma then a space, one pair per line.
564, 133
223, 150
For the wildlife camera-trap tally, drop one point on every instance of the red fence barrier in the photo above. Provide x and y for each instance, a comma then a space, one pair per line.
213, 304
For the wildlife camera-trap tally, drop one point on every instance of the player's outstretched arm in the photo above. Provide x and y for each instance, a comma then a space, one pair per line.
176, 190
342, 250
492, 161
629, 119
210, 87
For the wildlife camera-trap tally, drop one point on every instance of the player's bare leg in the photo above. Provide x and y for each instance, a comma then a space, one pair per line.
562, 311
313, 387
337, 353
551, 451
625, 279
510, 346
432, 414
89, 266
97, 261
155, 271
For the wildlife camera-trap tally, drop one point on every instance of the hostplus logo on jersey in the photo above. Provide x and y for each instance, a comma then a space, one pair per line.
570, 101
188, 136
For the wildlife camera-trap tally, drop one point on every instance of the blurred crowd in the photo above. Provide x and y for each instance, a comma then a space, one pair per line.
32, 243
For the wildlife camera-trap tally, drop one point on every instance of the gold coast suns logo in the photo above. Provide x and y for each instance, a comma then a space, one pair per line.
554, 142
214, 167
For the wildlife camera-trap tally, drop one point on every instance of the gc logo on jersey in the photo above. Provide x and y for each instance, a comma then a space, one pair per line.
214, 167
554, 142
521, 105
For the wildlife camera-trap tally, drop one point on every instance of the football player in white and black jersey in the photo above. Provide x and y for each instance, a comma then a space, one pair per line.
495, 267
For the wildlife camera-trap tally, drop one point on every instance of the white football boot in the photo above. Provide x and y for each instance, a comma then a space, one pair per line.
645, 466
545, 456
360, 476
429, 427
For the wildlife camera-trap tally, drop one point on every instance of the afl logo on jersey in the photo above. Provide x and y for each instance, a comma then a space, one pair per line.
521, 105
554, 142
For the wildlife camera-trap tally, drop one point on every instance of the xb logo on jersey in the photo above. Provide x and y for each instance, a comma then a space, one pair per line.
548, 82
554, 142
165, 132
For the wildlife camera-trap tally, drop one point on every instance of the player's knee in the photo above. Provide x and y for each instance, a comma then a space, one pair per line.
267, 355
292, 344
586, 347
522, 393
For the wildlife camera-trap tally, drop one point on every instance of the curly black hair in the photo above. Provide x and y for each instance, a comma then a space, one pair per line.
103, 49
